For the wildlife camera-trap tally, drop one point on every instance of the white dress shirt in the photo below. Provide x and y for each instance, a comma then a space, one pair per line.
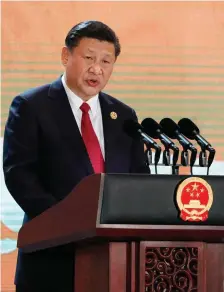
94, 113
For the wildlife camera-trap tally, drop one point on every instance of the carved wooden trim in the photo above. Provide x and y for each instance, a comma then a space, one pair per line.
171, 267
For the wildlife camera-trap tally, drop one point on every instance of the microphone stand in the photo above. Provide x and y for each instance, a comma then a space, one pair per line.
193, 158
184, 157
211, 156
203, 158
157, 157
175, 167
205, 145
166, 157
148, 156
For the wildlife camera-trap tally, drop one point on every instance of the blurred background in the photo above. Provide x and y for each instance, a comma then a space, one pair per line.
171, 65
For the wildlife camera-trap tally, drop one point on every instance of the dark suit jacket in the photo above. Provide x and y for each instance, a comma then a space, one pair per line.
45, 157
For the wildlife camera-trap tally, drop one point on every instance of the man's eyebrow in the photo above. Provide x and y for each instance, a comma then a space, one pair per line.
93, 51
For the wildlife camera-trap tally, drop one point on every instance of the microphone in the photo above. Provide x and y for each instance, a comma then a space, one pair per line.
172, 130
191, 131
153, 129
136, 131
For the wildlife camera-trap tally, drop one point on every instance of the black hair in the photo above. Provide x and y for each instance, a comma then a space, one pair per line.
92, 29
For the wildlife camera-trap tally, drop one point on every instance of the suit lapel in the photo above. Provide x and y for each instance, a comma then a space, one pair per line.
67, 124
110, 129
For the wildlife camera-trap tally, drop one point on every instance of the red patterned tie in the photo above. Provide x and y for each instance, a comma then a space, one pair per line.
90, 140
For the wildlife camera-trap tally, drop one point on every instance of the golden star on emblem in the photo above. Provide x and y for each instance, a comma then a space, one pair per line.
195, 187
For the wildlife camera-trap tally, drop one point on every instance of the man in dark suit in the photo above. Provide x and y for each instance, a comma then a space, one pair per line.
59, 133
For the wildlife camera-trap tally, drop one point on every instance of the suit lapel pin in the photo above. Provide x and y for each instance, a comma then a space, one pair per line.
113, 115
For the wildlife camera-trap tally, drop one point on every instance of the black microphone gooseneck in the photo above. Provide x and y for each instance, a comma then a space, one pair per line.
172, 130
136, 131
153, 129
191, 131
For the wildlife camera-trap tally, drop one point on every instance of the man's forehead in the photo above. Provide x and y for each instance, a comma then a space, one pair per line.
92, 45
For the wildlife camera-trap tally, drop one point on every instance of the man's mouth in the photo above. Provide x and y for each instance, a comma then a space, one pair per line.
92, 82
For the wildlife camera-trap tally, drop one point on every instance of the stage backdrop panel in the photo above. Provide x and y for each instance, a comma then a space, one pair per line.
171, 65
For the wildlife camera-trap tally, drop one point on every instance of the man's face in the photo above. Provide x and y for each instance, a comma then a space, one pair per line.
88, 66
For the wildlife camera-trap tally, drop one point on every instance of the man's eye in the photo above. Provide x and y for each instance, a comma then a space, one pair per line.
106, 62
89, 58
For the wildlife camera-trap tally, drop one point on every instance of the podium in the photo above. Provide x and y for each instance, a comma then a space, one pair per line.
129, 237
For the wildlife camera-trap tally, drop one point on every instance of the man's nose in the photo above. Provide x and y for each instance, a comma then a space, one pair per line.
95, 68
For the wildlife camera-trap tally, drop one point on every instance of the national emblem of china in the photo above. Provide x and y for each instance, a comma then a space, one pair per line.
194, 199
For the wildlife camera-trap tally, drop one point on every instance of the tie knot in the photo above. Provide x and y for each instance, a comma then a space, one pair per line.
85, 107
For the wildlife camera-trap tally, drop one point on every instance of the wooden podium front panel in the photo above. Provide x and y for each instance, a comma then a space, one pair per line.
214, 255
172, 266
102, 268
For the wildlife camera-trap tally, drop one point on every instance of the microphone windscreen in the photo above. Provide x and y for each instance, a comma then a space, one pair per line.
169, 127
151, 127
188, 128
132, 128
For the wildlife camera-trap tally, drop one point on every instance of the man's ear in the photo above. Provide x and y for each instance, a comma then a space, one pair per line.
64, 56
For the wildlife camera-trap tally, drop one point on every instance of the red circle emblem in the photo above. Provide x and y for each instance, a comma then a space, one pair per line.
194, 199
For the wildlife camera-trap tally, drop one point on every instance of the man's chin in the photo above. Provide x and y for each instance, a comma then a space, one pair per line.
92, 91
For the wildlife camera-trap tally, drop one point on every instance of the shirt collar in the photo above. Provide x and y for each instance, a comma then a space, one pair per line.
76, 101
